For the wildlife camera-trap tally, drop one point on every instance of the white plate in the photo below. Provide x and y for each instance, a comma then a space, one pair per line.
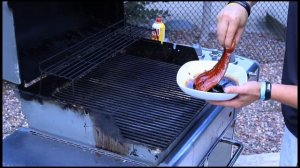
190, 70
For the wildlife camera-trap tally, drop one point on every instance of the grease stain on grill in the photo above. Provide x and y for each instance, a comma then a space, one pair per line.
104, 141
133, 152
98, 154
74, 107
107, 134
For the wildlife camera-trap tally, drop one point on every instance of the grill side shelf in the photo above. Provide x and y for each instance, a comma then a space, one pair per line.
79, 59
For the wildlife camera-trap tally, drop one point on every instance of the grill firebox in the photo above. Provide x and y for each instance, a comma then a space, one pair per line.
140, 95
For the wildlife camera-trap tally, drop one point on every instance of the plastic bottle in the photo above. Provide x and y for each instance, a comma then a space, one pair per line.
158, 30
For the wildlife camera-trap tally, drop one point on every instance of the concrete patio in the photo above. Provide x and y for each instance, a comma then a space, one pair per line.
264, 159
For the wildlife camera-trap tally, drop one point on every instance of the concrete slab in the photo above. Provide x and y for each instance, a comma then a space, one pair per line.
265, 159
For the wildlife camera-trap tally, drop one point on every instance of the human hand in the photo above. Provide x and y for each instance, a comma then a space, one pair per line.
231, 22
247, 93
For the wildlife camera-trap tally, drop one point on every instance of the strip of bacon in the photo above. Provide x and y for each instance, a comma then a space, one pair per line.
208, 79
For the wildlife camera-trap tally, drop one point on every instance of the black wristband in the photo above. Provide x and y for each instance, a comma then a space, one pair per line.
268, 90
243, 4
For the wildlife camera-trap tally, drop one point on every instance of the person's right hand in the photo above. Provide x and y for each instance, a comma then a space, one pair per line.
231, 22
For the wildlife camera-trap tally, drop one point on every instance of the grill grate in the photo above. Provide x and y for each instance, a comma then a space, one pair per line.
141, 94
77, 60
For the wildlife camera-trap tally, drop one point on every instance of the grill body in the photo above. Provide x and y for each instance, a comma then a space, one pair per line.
130, 106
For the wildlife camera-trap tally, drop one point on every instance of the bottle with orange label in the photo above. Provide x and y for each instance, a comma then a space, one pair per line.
158, 30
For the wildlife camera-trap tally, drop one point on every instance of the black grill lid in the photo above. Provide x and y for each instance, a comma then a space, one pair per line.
43, 29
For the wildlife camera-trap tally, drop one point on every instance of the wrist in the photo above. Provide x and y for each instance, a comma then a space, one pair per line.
265, 90
262, 90
244, 4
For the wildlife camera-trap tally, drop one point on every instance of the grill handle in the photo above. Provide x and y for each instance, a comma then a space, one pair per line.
237, 152
234, 157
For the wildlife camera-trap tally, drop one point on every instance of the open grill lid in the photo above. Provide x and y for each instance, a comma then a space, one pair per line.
43, 29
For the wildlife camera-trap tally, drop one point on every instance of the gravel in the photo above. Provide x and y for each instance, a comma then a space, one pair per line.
259, 125
12, 116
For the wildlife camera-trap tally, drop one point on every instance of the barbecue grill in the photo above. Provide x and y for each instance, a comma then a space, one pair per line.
96, 92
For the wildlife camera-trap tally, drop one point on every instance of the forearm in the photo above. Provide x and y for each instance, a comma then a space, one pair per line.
286, 94
251, 3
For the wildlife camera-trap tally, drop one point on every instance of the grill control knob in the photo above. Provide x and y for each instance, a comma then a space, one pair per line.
214, 58
214, 54
232, 58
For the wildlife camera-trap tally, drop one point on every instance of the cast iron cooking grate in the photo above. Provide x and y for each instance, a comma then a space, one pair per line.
142, 96
77, 60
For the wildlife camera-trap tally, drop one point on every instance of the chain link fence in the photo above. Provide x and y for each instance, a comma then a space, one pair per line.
194, 22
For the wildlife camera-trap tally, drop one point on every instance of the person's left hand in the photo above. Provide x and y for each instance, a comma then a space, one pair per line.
247, 93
